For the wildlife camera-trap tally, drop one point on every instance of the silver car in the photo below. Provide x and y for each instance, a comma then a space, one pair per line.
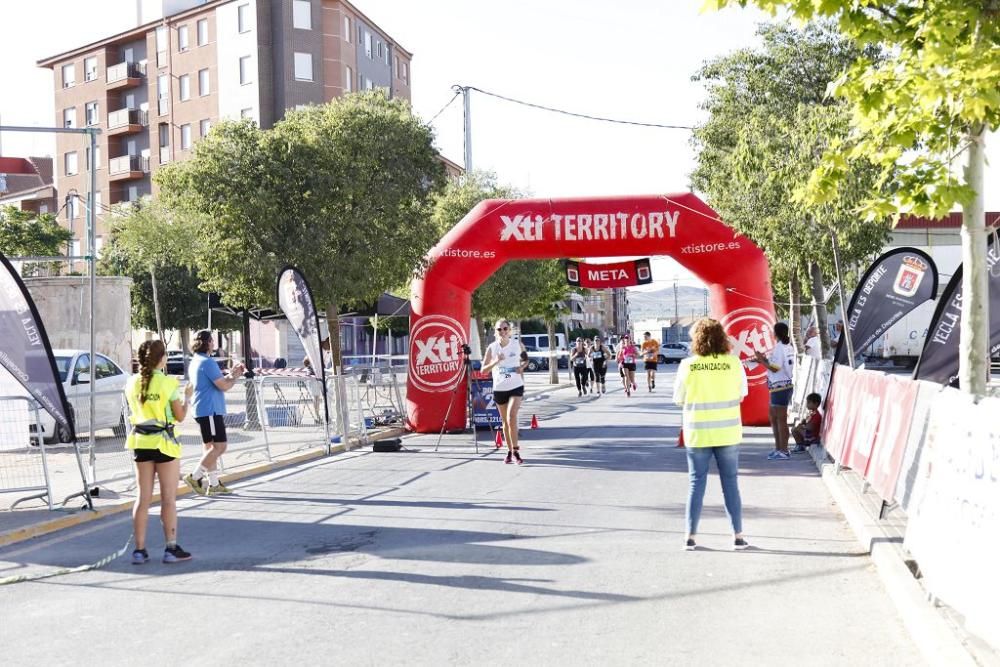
76, 374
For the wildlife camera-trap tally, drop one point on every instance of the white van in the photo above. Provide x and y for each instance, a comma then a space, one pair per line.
537, 347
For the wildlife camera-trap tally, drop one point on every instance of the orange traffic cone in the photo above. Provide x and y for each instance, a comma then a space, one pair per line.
499, 438
534, 421
680, 440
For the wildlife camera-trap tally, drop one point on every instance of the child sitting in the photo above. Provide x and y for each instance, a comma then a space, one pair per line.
807, 431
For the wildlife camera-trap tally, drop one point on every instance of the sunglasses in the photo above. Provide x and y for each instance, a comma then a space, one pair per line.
503, 328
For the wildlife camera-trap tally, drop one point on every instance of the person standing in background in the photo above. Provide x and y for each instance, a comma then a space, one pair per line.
209, 403
812, 345
780, 366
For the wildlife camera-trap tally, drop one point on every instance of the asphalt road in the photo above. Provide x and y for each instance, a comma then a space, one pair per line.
454, 558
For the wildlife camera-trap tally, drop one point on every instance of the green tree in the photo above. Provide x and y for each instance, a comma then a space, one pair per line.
24, 234
340, 190
769, 125
932, 98
148, 242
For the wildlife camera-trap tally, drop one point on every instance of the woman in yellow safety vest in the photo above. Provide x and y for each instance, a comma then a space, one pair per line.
155, 402
710, 386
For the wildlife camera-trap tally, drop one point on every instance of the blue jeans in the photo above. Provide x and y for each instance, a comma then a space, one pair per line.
728, 461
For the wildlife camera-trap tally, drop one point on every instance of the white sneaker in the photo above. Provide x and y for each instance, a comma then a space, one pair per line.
778, 455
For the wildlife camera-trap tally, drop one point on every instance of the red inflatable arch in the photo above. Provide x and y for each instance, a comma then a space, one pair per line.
496, 231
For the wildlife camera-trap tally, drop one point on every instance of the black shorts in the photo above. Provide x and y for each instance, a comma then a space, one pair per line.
650, 365
629, 367
213, 428
501, 397
150, 456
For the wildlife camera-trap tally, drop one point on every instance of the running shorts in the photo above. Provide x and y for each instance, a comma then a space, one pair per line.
213, 428
629, 367
650, 365
780, 398
501, 396
150, 456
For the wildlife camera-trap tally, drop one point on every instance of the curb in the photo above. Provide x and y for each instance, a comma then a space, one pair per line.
931, 633
82, 516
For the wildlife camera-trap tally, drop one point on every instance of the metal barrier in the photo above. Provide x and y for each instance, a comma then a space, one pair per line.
108, 463
380, 396
811, 376
24, 467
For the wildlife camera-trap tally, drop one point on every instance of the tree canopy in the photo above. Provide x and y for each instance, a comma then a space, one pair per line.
342, 191
25, 234
931, 97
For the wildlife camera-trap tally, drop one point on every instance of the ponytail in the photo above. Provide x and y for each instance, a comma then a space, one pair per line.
150, 354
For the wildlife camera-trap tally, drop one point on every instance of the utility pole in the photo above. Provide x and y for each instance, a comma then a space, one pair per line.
467, 105
677, 314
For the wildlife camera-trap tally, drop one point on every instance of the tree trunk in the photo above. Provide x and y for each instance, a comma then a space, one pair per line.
333, 324
550, 328
819, 307
185, 347
794, 314
156, 302
974, 357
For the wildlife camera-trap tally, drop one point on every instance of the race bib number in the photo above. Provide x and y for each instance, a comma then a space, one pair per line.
629, 359
597, 355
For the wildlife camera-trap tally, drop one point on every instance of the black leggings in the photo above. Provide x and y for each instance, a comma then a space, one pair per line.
600, 371
581, 375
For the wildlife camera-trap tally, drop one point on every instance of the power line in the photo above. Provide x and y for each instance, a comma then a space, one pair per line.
435, 116
602, 119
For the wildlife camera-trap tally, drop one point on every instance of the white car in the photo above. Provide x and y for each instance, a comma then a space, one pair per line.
76, 374
673, 352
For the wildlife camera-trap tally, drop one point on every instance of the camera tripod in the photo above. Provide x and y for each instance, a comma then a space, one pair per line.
466, 384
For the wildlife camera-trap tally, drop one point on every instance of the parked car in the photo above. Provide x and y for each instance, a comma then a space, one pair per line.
76, 374
537, 347
673, 352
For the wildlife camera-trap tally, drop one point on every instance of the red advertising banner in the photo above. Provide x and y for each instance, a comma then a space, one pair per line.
867, 396
602, 276
837, 415
893, 434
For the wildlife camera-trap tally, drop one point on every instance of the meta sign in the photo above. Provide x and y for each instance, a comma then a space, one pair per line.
602, 276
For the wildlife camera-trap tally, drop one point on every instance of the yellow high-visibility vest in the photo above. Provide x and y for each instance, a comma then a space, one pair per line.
713, 390
155, 411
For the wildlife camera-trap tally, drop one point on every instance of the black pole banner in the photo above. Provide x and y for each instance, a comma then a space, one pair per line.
940, 357
25, 351
296, 302
895, 284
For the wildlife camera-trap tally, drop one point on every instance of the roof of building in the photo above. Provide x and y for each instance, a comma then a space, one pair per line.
140, 30
951, 221
24, 176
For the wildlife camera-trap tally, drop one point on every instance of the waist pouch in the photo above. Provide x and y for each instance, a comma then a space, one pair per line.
167, 430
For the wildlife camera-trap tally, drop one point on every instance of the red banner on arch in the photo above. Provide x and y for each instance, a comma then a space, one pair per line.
603, 276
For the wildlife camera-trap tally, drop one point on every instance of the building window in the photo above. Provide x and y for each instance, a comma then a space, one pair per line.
69, 117
243, 17
381, 48
184, 83
302, 14
98, 240
73, 207
303, 66
246, 113
347, 29
182, 38
92, 114
202, 27
89, 68
186, 136
368, 44
245, 71
43, 209
369, 85
404, 70
348, 79
69, 75
162, 94
74, 245
70, 163
204, 84
164, 135
133, 193
161, 46
204, 126
98, 204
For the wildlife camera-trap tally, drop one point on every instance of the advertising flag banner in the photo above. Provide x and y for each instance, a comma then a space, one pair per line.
898, 281
938, 361
24, 348
296, 302
603, 276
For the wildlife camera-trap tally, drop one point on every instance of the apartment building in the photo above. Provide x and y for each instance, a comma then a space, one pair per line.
156, 89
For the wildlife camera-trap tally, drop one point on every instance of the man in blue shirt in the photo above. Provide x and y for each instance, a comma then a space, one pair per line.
209, 405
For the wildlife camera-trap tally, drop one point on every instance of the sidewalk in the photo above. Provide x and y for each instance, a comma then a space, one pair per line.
33, 519
455, 558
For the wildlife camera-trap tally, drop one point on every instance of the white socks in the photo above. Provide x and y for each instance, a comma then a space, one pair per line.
199, 472
213, 478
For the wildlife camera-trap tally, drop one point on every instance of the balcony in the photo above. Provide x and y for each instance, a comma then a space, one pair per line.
127, 167
127, 121
125, 75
